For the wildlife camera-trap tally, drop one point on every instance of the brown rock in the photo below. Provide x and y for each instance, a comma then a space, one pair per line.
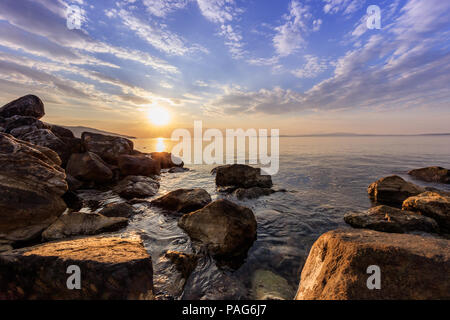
109, 148
392, 190
184, 262
432, 174
184, 200
31, 186
433, 205
166, 160
252, 193
138, 165
137, 187
241, 176
111, 268
80, 223
225, 228
388, 219
117, 210
88, 167
412, 267
28, 105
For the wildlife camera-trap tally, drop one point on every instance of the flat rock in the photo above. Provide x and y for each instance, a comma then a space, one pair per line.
80, 223
31, 187
88, 167
241, 176
431, 174
433, 205
137, 187
28, 105
412, 267
392, 190
109, 148
112, 268
184, 200
388, 219
223, 227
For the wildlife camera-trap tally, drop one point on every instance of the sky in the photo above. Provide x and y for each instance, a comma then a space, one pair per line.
301, 66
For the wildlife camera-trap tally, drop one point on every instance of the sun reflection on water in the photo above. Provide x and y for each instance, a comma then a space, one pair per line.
160, 145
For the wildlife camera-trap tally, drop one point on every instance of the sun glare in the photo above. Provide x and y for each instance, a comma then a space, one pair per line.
159, 116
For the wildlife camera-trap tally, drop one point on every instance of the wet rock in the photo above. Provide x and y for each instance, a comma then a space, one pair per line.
184, 262
88, 167
73, 201
252, 193
80, 223
112, 268
432, 174
433, 205
166, 160
31, 185
224, 228
178, 170
388, 219
241, 176
137, 187
392, 190
109, 148
184, 200
336, 268
28, 106
117, 210
138, 165
267, 285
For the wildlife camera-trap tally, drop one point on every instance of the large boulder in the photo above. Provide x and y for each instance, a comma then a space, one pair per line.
224, 228
112, 268
137, 187
29, 106
241, 176
88, 167
392, 190
81, 223
431, 174
109, 148
184, 200
433, 205
388, 219
411, 266
138, 165
18, 126
31, 185
166, 160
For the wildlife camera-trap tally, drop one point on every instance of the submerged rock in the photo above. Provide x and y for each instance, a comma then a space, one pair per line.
137, 187
88, 167
392, 190
29, 106
184, 262
138, 165
184, 200
388, 219
80, 223
31, 187
224, 228
267, 285
241, 176
112, 268
433, 205
431, 174
117, 210
178, 170
412, 267
109, 148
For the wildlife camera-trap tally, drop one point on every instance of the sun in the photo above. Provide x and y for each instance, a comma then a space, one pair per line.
159, 116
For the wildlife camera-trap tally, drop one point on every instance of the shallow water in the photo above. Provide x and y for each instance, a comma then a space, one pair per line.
326, 177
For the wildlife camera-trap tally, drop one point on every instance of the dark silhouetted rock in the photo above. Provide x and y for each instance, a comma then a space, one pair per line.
184, 200
137, 187
388, 219
88, 167
431, 174
73, 201
412, 267
31, 185
392, 190
118, 210
166, 160
81, 223
178, 170
433, 205
73, 183
252, 193
109, 148
225, 228
112, 268
28, 106
241, 176
138, 165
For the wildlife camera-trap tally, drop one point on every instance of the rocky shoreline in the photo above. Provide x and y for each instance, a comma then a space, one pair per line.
51, 215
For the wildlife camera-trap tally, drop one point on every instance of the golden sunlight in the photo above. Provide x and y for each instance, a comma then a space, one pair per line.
159, 116
160, 145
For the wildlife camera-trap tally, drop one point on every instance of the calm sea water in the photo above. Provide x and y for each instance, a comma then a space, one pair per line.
326, 177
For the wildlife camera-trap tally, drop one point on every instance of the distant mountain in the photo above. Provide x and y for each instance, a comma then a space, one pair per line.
78, 130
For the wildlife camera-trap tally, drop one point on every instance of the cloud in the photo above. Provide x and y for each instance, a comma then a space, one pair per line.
345, 6
312, 68
162, 8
